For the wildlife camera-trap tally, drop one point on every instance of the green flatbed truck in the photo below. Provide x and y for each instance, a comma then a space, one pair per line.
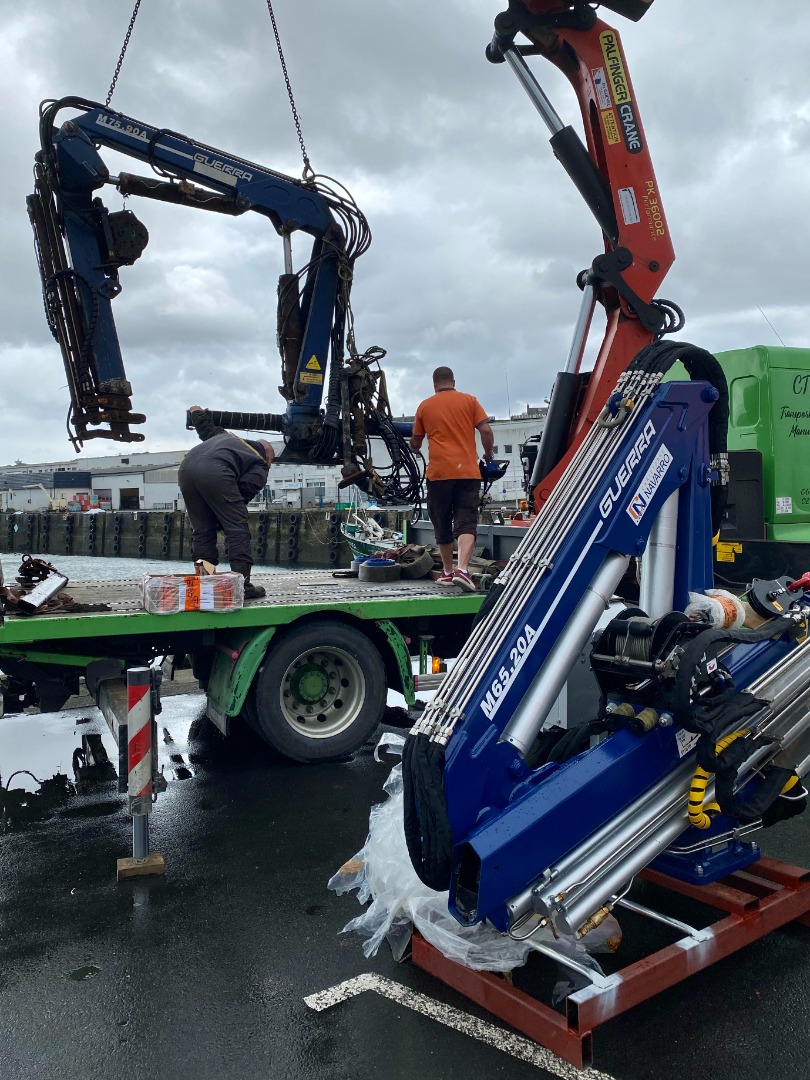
309, 667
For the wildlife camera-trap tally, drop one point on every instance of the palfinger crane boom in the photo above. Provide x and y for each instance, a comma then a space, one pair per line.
613, 172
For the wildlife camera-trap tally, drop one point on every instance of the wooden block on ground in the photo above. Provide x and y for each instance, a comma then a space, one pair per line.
152, 865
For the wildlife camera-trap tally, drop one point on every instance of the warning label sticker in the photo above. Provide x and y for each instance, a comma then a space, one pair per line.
312, 364
311, 377
611, 127
686, 741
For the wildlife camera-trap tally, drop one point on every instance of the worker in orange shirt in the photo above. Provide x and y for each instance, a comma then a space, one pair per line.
450, 420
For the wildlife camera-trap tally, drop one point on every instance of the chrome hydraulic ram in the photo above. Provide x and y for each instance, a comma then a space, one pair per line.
573, 890
530, 715
657, 565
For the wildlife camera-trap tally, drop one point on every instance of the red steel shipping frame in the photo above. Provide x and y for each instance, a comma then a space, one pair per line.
766, 896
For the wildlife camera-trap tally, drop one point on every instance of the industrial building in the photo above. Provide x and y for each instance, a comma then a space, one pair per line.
148, 481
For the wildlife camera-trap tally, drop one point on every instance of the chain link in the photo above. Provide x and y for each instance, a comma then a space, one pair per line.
309, 172
123, 53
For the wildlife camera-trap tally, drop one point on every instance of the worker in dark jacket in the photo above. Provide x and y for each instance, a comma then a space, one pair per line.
218, 478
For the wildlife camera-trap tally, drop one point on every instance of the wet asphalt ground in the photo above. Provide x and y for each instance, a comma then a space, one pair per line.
205, 972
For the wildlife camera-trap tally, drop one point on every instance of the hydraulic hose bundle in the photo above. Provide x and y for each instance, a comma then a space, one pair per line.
700, 365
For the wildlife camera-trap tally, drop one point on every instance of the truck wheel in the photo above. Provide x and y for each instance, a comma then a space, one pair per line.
320, 693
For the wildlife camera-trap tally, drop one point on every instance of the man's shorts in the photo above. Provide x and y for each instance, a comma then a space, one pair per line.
453, 508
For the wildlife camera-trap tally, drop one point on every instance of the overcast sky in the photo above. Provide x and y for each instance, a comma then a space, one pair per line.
478, 234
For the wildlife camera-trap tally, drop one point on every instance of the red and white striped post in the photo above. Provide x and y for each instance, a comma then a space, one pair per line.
140, 756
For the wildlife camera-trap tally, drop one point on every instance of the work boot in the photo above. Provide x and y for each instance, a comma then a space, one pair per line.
252, 592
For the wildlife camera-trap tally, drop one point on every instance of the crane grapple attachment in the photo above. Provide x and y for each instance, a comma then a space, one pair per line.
75, 309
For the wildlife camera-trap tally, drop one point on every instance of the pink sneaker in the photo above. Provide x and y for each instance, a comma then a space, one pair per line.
463, 579
445, 578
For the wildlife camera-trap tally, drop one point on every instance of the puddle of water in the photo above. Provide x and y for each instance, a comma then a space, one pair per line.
35, 747
43, 743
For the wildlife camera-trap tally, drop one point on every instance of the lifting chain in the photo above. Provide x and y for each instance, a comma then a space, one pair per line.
123, 53
309, 172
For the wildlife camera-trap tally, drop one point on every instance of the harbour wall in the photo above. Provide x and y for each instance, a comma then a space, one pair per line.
303, 538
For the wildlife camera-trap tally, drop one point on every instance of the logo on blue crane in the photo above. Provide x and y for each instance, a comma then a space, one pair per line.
640, 501
626, 470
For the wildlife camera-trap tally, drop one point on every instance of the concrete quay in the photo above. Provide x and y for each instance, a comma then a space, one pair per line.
309, 537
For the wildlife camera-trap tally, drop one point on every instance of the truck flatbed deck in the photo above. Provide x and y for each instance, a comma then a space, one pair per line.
309, 665
287, 594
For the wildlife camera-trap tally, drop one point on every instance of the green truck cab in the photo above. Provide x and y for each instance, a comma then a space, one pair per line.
766, 527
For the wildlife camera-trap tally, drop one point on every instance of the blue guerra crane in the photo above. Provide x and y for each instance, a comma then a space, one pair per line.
334, 402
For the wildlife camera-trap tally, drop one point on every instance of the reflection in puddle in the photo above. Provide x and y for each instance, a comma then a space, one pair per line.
19, 806
34, 746
83, 973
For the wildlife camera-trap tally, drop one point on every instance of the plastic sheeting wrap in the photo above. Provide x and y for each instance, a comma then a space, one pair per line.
165, 594
399, 902
718, 607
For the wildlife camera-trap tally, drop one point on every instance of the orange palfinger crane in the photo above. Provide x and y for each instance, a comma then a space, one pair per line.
613, 172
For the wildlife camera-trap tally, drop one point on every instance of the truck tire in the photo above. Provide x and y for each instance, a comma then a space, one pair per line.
320, 693
413, 566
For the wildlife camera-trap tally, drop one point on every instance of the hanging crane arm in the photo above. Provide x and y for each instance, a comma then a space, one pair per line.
82, 246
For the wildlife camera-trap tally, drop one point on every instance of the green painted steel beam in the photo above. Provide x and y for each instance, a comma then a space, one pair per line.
37, 656
37, 630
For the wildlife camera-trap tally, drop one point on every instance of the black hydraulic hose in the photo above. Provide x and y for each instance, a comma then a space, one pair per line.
702, 365
732, 712
243, 421
326, 444
659, 357
559, 418
572, 154
427, 827
404, 479
679, 699
23, 772
772, 781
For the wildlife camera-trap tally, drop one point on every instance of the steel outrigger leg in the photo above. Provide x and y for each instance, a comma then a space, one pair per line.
142, 778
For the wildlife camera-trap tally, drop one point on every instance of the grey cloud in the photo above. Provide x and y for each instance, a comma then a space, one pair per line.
478, 234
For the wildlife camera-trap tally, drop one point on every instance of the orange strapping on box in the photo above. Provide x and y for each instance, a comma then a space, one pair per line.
192, 594
729, 609
165, 594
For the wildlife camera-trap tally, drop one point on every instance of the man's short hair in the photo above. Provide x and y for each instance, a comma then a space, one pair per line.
443, 375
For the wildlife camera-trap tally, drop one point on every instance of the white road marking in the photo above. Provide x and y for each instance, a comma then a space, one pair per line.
516, 1045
